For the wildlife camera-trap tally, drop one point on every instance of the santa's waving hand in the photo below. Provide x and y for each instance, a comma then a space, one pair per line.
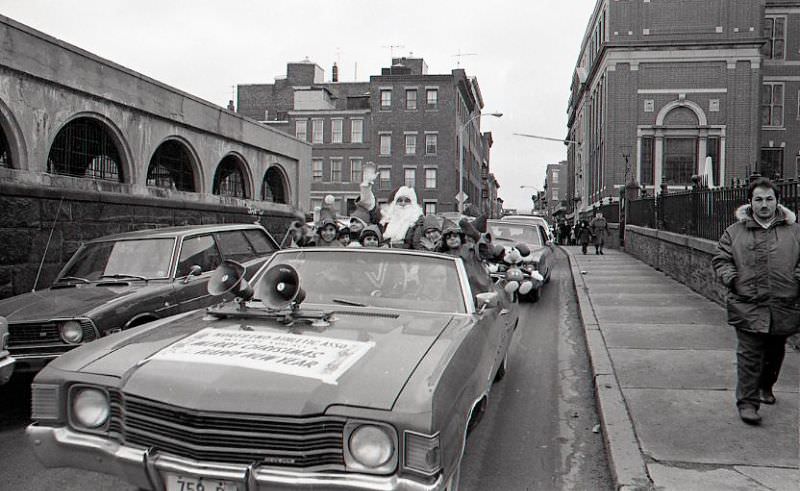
400, 216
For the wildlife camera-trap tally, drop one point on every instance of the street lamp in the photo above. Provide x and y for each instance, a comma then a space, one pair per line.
460, 196
535, 197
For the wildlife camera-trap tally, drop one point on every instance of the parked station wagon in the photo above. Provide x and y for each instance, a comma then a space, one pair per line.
120, 281
338, 369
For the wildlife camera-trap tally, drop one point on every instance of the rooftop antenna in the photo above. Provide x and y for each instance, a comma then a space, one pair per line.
392, 47
459, 55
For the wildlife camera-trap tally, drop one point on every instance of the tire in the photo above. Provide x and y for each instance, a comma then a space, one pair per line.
532, 296
502, 370
476, 415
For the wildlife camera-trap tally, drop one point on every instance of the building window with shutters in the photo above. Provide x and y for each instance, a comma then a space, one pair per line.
411, 99
411, 144
430, 178
316, 170
356, 131
316, 131
336, 130
386, 143
301, 129
336, 170
356, 169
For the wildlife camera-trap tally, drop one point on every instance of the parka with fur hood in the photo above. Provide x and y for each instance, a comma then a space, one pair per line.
761, 270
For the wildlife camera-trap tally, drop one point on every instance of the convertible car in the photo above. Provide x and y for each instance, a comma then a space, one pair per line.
333, 368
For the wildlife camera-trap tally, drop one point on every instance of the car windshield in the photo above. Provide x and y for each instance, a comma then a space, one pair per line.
359, 278
147, 258
517, 232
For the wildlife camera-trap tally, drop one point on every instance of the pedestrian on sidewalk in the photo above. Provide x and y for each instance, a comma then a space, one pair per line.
599, 227
757, 260
584, 235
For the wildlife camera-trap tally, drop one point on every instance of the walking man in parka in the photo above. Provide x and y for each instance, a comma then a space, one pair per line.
758, 260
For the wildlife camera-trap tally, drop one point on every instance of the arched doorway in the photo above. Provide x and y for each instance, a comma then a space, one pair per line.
171, 167
85, 148
231, 179
5, 151
274, 186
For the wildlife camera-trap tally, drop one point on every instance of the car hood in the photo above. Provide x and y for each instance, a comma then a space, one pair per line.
63, 302
392, 348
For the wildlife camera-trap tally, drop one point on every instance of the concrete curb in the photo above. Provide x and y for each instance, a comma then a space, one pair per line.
626, 462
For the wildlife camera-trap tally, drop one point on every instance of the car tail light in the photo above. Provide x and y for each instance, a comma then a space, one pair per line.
44, 402
422, 453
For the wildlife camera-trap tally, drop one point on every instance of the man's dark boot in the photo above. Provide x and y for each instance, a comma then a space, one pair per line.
749, 415
767, 397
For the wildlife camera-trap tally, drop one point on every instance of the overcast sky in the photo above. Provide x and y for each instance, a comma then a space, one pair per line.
523, 53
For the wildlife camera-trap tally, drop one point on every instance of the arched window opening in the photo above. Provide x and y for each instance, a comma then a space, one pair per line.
85, 148
273, 188
5, 151
230, 179
171, 167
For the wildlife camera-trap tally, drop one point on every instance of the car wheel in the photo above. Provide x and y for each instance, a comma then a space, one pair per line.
476, 415
533, 295
502, 370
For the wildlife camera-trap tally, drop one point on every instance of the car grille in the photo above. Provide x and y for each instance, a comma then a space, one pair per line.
23, 334
312, 443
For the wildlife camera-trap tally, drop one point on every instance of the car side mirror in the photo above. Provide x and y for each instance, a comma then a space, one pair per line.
195, 270
486, 300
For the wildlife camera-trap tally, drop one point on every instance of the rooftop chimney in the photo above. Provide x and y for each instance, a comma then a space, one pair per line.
334, 73
231, 106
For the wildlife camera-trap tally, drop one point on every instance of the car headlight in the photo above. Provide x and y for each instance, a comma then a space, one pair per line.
371, 447
71, 332
90, 408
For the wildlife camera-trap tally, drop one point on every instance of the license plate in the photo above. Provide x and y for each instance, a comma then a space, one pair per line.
177, 482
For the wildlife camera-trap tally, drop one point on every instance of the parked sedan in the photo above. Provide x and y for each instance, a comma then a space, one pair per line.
509, 232
120, 281
338, 369
6, 360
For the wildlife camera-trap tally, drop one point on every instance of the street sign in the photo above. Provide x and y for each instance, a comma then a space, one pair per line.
461, 197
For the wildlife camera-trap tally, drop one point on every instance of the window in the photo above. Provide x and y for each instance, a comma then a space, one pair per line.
430, 178
336, 170
771, 165
336, 130
430, 207
432, 98
713, 151
316, 170
553, 196
316, 203
386, 99
201, 251
301, 129
772, 105
235, 246
431, 144
384, 178
775, 32
411, 144
316, 131
411, 99
647, 160
356, 170
386, 144
356, 131
410, 177
555, 177
680, 160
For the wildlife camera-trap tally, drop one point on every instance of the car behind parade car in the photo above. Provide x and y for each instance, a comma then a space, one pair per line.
334, 368
6, 360
534, 236
120, 281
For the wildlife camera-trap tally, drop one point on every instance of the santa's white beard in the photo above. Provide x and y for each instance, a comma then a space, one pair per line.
399, 219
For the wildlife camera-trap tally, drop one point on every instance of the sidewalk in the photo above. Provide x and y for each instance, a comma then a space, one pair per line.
664, 362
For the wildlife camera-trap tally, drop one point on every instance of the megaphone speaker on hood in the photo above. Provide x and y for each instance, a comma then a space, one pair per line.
229, 277
280, 287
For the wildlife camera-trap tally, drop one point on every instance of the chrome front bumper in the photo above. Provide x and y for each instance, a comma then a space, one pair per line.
6, 368
62, 447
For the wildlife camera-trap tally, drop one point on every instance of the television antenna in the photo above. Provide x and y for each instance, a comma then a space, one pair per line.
392, 47
458, 56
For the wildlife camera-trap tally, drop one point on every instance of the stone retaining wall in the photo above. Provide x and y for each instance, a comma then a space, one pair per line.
28, 215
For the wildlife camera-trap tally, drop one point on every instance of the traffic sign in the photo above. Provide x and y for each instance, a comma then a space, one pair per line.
461, 197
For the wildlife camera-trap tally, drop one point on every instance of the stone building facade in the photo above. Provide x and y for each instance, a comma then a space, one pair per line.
661, 85
89, 148
405, 120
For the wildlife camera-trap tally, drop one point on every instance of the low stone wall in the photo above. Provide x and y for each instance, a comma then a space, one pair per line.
28, 215
686, 259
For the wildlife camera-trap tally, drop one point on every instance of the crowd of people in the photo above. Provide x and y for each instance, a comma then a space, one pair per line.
583, 233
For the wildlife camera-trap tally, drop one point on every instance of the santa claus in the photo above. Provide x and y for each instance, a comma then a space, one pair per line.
400, 216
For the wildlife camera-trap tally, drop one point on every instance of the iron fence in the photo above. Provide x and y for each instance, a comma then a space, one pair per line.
701, 212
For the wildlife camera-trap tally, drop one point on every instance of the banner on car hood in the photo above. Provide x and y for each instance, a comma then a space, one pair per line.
316, 357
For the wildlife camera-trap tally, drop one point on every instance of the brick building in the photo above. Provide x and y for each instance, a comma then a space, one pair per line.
661, 85
405, 120
555, 190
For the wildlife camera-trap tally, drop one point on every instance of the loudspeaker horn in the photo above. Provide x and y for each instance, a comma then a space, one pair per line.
229, 277
279, 288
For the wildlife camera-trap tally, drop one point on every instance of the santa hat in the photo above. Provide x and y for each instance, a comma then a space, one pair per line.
407, 192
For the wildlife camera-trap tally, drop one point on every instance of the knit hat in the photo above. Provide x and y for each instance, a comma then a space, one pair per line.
430, 222
361, 214
373, 230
